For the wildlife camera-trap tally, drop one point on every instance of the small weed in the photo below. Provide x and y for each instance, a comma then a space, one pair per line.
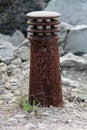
25, 104
29, 107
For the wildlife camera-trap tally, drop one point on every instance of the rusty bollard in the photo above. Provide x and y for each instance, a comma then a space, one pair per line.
45, 80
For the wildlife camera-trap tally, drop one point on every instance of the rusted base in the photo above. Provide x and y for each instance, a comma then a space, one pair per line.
45, 80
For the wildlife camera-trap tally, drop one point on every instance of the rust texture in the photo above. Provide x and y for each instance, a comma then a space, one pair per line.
45, 79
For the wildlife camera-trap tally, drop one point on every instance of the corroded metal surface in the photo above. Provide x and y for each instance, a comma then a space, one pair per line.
45, 80
33, 22
43, 31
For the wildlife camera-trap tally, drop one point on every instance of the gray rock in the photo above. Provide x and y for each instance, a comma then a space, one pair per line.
67, 81
22, 53
70, 60
3, 73
18, 116
5, 97
3, 67
62, 36
7, 86
30, 126
73, 12
10, 69
85, 56
17, 38
42, 126
76, 40
6, 51
80, 99
46, 113
25, 43
17, 61
12, 119
61, 51
83, 96
3, 91
5, 37
68, 121
26, 68
26, 65
14, 82
64, 28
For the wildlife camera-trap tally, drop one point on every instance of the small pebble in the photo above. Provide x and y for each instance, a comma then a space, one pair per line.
30, 126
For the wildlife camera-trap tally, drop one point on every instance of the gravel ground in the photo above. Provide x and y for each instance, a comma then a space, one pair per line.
71, 116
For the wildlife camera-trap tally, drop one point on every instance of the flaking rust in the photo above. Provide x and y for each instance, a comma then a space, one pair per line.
45, 79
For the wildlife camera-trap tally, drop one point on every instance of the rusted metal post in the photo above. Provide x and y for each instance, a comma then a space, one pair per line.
45, 80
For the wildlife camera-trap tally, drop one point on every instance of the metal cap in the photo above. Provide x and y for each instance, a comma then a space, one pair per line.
43, 14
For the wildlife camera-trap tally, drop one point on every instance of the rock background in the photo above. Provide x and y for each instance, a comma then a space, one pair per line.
13, 14
73, 12
73, 37
74, 26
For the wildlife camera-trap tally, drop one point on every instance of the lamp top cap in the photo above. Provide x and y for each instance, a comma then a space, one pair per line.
43, 14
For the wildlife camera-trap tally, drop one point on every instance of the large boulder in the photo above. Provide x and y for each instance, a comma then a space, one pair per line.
85, 56
76, 40
15, 46
5, 37
17, 38
71, 60
22, 53
73, 11
64, 28
6, 51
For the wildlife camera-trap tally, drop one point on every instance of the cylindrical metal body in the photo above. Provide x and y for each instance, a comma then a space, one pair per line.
45, 80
